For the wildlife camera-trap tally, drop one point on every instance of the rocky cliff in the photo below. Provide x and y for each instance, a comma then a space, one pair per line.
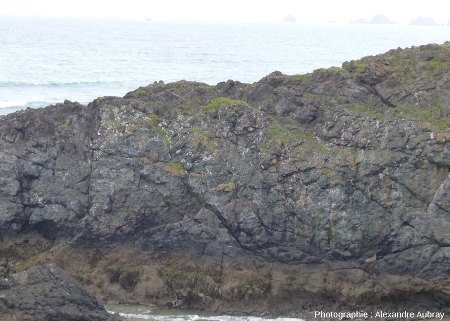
325, 189
47, 293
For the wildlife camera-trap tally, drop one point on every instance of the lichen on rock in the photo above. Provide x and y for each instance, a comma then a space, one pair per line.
303, 180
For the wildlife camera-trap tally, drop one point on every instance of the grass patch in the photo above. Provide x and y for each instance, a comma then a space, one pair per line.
220, 102
113, 122
438, 65
312, 96
367, 110
30, 262
154, 118
335, 179
138, 93
331, 69
134, 127
64, 126
163, 135
202, 140
198, 131
427, 115
280, 136
187, 108
211, 90
300, 77
176, 166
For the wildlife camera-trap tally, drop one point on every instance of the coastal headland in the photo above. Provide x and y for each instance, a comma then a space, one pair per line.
329, 190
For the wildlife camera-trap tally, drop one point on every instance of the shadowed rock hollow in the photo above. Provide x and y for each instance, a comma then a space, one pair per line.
295, 192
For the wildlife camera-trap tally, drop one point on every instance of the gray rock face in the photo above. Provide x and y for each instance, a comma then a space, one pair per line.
47, 293
345, 166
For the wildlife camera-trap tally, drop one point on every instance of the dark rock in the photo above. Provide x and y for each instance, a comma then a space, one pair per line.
47, 293
344, 169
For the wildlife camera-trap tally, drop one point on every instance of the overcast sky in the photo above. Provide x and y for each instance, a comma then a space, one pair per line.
400, 11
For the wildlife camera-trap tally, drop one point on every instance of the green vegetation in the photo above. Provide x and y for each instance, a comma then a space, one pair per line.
331, 175
139, 93
134, 127
211, 90
337, 69
176, 166
301, 77
367, 110
154, 121
280, 136
438, 65
187, 108
198, 131
202, 139
30, 262
154, 118
101, 99
331, 69
220, 102
361, 65
113, 122
312, 96
64, 126
163, 135
177, 84
428, 115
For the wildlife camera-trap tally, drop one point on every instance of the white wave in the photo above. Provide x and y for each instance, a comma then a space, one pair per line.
137, 316
194, 317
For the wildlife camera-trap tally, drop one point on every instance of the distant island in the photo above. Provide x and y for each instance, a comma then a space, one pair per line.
423, 21
290, 18
376, 19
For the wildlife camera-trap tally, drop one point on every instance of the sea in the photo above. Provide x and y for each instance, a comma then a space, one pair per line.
139, 313
44, 61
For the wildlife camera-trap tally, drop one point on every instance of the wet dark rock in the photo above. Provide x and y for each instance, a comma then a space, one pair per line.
47, 293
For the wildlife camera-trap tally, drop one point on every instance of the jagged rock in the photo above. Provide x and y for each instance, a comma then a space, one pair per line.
343, 172
47, 293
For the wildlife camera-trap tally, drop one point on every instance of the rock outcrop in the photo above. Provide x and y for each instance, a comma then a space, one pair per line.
292, 192
47, 293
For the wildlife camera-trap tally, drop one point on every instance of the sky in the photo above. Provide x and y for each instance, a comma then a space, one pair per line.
400, 11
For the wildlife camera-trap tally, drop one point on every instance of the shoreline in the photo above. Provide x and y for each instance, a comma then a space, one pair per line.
326, 191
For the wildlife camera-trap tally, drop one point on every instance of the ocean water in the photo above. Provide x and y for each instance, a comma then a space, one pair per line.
48, 60
138, 313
